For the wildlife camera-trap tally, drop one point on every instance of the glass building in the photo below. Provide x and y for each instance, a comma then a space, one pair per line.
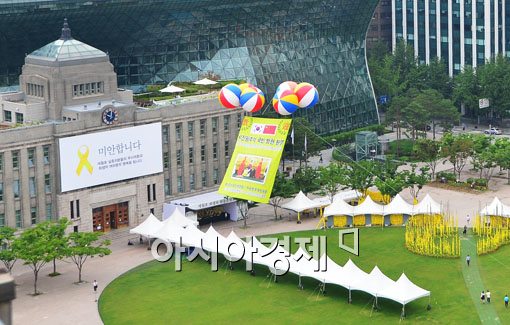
461, 32
264, 42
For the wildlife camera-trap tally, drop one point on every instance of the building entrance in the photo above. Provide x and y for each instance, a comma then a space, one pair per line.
110, 217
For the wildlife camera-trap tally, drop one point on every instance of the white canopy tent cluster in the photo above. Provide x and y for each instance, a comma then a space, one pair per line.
179, 230
496, 208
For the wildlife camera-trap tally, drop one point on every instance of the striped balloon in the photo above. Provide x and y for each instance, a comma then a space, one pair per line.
285, 103
229, 96
246, 85
252, 100
307, 95
287, 85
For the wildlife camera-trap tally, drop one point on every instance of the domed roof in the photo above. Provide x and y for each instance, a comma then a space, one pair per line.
66, 49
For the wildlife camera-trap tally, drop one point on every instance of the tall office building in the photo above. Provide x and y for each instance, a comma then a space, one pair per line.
264, 42
379, 29
461, 32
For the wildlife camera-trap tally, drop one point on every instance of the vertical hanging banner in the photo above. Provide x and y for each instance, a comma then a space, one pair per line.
254, 163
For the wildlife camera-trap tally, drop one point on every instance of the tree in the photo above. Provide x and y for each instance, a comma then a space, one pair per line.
282, 188
416, 116
466, 91
441, 111
313, 142
502, 154
494, 77
414, 180
395, 114
457, 149
34, 249
427, 150
331, 179
8, 252
58, 241
306, 179
361, 175
390, 186
81, 246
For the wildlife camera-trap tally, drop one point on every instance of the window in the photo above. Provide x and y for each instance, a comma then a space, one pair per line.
192, 181
2, 219
1, 162
46, 155
77, 208
32, 187
87, 89
71, 208
7, 116
154, 192
226, 122
15, 188
19, 118
227, 152
215, 150
191, 155
202, 153
47, 184
31, 156
239, 120
75, 228
149, 196
215, 176
19, 221
214, 124
190, 129
179, 184
33, 215
15, 159
167, 187
1, 192
48, 211
179, 157
35, 90
166, 160
204, 178
178, 131
202, 127
165, 134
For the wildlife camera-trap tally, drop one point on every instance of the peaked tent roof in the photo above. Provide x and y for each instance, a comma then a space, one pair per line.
346, 195
323, 201
427, 206
205, 82
339, 207
179, 219
408, 291
148, 227
368, 207
496, 208
172, 89
300, 203
398, 206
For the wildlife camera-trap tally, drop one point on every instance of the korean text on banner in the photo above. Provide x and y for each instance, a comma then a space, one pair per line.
252, 169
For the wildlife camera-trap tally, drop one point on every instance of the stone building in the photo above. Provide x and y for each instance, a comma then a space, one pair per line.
69, 95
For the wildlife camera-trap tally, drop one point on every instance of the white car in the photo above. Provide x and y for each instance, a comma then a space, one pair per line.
493, 131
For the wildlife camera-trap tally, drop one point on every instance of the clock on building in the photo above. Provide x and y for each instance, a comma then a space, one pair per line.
110, 116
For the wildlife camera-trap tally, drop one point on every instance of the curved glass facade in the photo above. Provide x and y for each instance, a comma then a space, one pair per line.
264, 42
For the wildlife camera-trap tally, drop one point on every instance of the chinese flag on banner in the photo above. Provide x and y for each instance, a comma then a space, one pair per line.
270, 129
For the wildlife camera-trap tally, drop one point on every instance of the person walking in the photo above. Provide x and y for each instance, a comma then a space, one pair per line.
482, 297
94, 284
506, 301
468, 259
467, 219
488, 295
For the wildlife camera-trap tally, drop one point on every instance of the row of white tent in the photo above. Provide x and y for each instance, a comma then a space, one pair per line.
340, 207
180, 230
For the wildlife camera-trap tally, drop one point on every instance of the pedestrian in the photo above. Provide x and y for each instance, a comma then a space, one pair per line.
506, 301
465, 230
94, 284
320, 158
482, 297
468, 259
467, 219
488, 294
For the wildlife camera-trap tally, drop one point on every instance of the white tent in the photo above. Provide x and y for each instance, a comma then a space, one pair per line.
347, 195
427, 206
300, 203
148, 227
205, 82
172, 89
178, 218
408, 291
496, 208
214, 242
339, 207
323, 201
368, 207
398, 206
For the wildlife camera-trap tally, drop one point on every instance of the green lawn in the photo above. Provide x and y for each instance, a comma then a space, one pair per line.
154, 294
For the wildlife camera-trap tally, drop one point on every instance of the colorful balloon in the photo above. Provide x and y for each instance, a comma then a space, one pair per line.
307, 95
287, 85
252, 100
229, 96
285, 103
247, 85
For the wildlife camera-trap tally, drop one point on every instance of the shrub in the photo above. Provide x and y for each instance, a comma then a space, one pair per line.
450, 177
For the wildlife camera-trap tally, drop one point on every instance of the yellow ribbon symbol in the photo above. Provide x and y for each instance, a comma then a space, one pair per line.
84, 160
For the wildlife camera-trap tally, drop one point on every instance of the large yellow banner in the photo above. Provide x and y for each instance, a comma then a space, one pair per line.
252, 169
